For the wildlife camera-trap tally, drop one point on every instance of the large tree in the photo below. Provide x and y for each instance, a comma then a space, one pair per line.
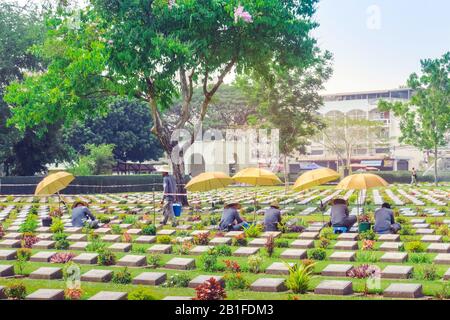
157, 51
23, 152
290, 102
425, 119
126, 125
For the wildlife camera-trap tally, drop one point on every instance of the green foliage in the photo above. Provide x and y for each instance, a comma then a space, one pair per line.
180, 280
57, 225
425, 118
141, 293
317, 254
426, 272
407, 230
209, 261
415, 246
29, 225
122, 277
61, 241
154, 260
367, 235
116, 229
99, 160
223, 250
164, 239
254, 263
95, 245
443, 292
149, 230
299, 278
328, 233
419, 258
367, 256
106, 257
324, 243
16, 291
281, 243
253, 231
236, 281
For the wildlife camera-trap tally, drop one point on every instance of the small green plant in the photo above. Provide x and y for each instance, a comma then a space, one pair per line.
130, 219
419, 258
328, 233
254, 263
415, 246
300, 276
367, 235
180, 280
240, 241
324, 243
317, 254
281, 243
61, 241
253, 231
426, 272
138, 249
122, 277
443, 292
23, 256
367, 256
407, 230
149, 230
116, 229
106, 257
236, 281
16, 291
57, 225
141, 293
154, 260
443, 230
223, 250
270, 245
96, 245
208, 261
164, 239
29, 225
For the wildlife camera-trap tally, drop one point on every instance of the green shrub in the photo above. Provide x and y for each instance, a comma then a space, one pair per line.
106, 257
367, 235
223, 250
415, 246
208, 261
324, 243
130, 219
419, 258
164, 239
122, 277
328, 233
443, 292
116, 229
299, 277
138, 249
426, 272
149, 230
236, 281
96, 245
141, 293
29, 225
180, 280
154, 260
16, 291
254, 263
366, 256
281, 243
407, 230
253, 231
317, 254
57, 226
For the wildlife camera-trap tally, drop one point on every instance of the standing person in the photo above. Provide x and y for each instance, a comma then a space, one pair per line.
231, 220
414, 176
340, 216
272, 217
169, 192
385, 221
82, 216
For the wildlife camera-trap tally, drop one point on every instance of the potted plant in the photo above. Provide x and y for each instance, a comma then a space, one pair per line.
364, 223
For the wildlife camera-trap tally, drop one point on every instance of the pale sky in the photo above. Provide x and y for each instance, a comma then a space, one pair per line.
380, 53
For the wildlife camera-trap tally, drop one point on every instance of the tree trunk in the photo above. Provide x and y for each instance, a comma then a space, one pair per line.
178, 173
286, 176
436, 165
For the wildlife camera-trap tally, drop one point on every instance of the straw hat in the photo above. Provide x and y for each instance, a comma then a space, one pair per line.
76, 203
232, 203
275, 204
163, 168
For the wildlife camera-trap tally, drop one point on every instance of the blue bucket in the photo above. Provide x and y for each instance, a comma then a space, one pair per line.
177, 208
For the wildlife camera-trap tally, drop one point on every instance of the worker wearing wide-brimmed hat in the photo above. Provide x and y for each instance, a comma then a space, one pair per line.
82, 216
169, 191
340, 215
231, 220
272, 217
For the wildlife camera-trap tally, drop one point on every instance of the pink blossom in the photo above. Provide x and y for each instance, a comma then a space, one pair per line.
240, 13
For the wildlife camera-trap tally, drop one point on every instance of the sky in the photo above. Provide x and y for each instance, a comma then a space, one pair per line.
377, 44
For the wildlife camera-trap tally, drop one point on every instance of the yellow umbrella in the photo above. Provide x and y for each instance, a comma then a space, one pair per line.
362, 181
208, 181
54, 183
257, 177
314, 178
